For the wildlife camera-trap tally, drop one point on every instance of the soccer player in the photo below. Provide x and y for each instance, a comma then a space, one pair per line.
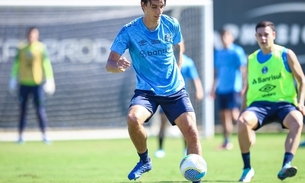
271, 96
150, 40
189, 73
31, 68
229, 66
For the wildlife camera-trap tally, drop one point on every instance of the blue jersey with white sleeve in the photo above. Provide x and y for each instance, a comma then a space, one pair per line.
152, 54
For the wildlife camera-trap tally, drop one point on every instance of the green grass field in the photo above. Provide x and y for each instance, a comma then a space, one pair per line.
111, 160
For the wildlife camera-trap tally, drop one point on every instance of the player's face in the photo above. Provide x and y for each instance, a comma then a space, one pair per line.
227, 39
265, 37
153, 10
33, 36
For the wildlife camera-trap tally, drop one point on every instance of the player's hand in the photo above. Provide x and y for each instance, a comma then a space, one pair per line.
49, 87
213, 94
123, 64
301, 108
13, 86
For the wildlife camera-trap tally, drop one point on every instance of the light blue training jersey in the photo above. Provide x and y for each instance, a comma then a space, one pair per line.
188, 70
227, 63
152, 54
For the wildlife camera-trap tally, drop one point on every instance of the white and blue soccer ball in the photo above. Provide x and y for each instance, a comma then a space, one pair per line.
193, 167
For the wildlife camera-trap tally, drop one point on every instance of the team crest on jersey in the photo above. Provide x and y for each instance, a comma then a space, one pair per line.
264, 70
168, 37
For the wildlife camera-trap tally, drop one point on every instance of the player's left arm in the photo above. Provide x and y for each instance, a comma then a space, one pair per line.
298, 74
49, 86
47, 67
179, 49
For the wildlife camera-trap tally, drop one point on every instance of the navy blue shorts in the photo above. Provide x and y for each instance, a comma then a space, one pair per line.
228, 101
268, 112
173, 105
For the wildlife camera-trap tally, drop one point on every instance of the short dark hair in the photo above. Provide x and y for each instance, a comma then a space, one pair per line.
30, 29
223, 31
265, 24
146, 1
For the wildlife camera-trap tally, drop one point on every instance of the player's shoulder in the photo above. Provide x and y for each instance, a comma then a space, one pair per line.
132, 24
22, 45
278, 47
237, 47
253, 54
169, 20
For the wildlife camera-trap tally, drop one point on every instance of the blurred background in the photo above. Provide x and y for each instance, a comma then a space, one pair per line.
78, 38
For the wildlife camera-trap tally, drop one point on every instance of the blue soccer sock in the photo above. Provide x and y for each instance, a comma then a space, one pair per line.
287, 158
144, 157
226, 141
246, 160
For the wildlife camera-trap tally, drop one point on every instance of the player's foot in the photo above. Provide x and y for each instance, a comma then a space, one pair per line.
247, 175
302, 144
287, 171
197, 181
139, 169
225, 146
46, 141
160, 153
20, 141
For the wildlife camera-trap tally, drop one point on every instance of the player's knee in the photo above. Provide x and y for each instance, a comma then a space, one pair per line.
133, 119
296, 125
242, 123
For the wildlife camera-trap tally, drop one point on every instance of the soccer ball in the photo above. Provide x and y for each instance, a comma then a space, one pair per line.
193, 167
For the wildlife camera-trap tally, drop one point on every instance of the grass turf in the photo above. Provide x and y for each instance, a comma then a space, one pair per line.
106, 161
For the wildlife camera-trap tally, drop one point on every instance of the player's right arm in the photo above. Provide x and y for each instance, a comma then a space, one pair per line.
14, 74
116, 63
244, 88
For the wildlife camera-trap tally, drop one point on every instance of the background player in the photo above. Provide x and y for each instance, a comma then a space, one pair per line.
31, 67
229, 65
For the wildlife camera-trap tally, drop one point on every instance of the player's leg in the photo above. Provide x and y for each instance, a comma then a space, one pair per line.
229, 104
226, 119
186, 122
179, 111
160, 153
38, 97
23, 98
140, 110
246, 122
137, 115
294, 122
